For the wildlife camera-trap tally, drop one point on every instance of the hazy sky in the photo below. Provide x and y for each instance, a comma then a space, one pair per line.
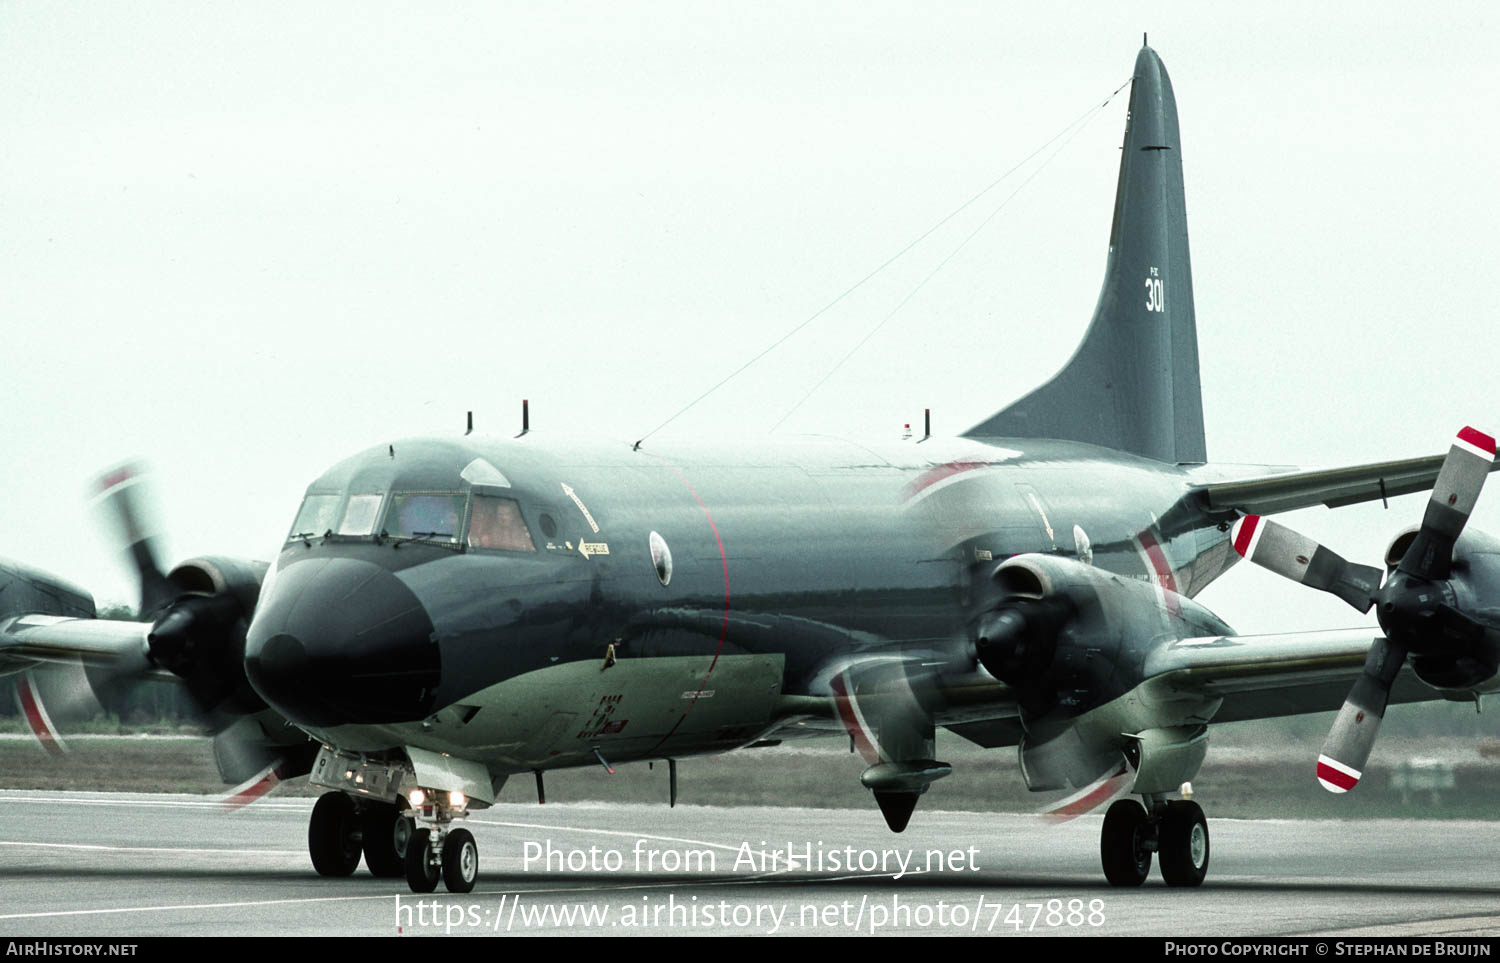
242, 241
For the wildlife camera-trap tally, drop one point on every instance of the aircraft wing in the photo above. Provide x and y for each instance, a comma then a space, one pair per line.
1261, 676
1256, 676
26, 640
1334, 487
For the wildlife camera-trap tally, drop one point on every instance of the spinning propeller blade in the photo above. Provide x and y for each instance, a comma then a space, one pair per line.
124, 502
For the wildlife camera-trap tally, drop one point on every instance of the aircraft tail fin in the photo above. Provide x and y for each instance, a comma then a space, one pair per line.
1132, 385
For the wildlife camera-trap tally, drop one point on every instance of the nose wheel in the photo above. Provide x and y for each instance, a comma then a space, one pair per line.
460, 861
422, 845
421, 863
455, 859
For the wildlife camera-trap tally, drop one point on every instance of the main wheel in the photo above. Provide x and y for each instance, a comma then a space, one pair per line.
1122, 849
421, 868
1183, 845
333, 835
385, 833
460, 861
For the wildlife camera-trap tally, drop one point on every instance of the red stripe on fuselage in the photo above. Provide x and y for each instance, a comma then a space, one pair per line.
723, 628
1163, 569
934, 475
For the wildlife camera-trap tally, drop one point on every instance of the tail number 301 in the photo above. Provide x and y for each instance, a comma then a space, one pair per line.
1155, 295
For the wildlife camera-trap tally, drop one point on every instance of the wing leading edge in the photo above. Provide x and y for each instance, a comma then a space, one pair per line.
1263, 676
1334, 487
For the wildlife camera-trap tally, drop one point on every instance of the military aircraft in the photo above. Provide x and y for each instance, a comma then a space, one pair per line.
449, 612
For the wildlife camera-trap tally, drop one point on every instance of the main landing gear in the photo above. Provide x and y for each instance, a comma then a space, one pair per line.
419, 844
1175, 831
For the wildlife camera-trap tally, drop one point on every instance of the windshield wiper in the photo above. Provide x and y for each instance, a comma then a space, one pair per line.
440, 539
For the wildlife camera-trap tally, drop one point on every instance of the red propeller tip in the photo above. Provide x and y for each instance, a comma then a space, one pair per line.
1335, 776
115, 478
1244, 534
1478, 442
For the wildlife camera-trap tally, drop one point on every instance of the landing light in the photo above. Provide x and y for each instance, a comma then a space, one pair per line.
457, 799
416, 797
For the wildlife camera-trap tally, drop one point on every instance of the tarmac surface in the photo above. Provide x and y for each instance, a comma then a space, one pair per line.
102, 864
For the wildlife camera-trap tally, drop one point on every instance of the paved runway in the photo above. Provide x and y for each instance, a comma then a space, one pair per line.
118, 864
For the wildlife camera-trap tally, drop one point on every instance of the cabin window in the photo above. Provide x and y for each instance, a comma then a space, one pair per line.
430, 517
316, 516
359, 517
497, 523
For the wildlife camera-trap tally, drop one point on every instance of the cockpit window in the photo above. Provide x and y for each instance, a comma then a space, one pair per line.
316, 516
359, 517
497, 523
434, 518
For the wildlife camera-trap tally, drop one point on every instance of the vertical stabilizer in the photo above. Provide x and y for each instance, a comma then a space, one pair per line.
1132, 385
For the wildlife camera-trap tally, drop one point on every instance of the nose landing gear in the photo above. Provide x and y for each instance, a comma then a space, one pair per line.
421, 844
436, 848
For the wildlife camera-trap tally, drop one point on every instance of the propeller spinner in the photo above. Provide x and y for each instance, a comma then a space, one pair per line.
1415, 606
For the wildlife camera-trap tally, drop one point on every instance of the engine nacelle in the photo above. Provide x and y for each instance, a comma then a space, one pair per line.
1059, 626
201, 635
1464, 657
220, 575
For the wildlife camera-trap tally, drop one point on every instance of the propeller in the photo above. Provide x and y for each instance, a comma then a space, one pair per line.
886, 706
1415, 606
198, 624
122, 500
200, 613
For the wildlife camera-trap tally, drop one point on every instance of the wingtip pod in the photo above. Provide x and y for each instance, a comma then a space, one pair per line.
1335, 776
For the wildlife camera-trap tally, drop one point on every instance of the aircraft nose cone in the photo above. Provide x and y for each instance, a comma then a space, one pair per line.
340, 641
282, 657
